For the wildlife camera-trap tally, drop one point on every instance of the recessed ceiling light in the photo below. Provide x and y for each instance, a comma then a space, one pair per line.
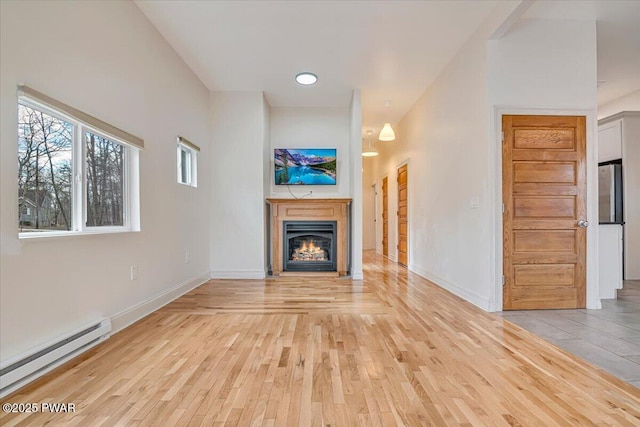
306, 78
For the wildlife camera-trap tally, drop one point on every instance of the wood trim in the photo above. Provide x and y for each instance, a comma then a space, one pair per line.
385, 216
308, 210
402, 178
184, 141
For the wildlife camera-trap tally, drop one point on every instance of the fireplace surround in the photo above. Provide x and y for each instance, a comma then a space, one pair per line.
309, 258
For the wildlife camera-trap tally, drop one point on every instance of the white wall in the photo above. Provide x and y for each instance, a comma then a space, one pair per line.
630, 102
106, 59
546, 67
355, 138
237, 220
312, 128
266, 174
544, 63
631, 188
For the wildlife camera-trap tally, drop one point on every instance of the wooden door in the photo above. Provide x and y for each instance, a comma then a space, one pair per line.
543, 191
385, 216
403, 201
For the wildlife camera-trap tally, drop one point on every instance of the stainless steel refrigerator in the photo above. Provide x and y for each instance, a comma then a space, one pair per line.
610, 203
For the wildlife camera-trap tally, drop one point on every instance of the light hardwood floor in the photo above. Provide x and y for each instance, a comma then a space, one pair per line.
390, 350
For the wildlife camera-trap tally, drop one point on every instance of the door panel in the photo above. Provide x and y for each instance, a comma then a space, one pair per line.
544, 138
403, 228
544, 187
403, 201
385, 216
544, 241
544, 172
544, 207
543, 274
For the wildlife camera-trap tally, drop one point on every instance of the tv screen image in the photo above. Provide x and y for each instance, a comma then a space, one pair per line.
305, 166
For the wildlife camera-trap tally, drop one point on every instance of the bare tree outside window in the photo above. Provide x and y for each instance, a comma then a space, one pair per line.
45, 145
76, 173
105, 181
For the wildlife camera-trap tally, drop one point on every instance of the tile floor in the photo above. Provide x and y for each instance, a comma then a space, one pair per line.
608, 338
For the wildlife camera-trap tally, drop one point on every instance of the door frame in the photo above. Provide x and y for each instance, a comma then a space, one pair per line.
397, 224
495, 189
382, 206
376, 212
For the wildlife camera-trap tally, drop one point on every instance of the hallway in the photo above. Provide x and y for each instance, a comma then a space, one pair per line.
393, 349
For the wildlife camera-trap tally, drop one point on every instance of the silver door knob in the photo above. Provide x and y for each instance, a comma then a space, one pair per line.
583, 224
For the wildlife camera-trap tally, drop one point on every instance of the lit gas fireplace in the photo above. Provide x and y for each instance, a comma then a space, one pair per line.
309, 245
308, 251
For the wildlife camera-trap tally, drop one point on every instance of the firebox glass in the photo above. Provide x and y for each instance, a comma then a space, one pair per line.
309, 248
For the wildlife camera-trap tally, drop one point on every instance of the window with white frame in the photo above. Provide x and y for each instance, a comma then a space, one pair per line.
76, 174
187, 162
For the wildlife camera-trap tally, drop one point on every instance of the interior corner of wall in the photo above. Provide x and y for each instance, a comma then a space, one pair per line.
504, 15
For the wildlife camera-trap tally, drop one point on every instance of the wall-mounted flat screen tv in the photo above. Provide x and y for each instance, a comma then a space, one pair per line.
305, 166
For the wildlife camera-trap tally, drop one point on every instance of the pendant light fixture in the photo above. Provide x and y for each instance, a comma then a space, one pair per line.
368, 150
387, 133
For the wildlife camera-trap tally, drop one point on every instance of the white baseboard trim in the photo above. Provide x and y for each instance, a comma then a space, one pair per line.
471, 297
238, 274
357, 275
127, 317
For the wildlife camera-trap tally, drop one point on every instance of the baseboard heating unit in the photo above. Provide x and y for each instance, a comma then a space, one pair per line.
20, 370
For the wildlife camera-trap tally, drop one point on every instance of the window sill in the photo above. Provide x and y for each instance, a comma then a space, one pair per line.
37, 235
188, 185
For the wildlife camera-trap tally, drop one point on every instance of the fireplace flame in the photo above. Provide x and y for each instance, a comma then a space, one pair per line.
308, 251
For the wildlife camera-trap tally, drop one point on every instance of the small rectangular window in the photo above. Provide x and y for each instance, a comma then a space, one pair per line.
187, 162
185, 165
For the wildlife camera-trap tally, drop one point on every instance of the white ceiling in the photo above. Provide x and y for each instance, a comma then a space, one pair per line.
389, 49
